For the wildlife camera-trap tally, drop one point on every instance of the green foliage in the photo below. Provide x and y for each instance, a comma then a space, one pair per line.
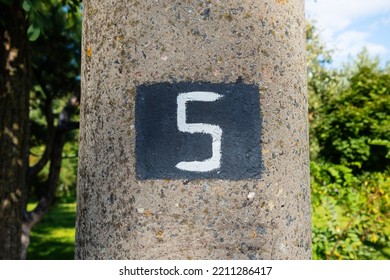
56, 67
323, 83
38, 13
66, 190
355, 128
350, 214
35, 11
350, 168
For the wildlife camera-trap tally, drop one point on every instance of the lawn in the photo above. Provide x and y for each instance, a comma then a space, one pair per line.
54, 237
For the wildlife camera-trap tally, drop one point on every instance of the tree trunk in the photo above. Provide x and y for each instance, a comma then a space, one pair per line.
58, 140
14, 114
32, 218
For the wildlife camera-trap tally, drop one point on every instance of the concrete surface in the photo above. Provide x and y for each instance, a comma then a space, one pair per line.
128, 44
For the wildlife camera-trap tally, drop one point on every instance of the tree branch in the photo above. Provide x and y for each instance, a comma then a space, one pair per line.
34, 170
30, 219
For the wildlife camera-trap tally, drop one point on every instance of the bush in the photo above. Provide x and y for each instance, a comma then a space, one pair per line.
350, 213
355, 126
350, 179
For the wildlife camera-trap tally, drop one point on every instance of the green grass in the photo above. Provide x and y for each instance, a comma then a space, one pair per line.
54, 237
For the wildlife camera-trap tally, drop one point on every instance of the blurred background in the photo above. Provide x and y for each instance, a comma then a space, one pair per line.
348, 49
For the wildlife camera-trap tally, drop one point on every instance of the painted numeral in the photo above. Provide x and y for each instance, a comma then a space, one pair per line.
214, 130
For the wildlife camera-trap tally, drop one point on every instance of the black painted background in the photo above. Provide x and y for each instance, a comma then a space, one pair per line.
160, 145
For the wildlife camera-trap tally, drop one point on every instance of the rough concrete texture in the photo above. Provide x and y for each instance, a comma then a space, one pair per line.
131, 43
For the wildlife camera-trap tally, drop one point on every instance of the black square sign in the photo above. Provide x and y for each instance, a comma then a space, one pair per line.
198, 131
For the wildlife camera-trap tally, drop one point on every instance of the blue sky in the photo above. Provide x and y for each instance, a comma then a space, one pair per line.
347, 26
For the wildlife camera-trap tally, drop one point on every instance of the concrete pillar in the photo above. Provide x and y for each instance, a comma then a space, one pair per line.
193, 139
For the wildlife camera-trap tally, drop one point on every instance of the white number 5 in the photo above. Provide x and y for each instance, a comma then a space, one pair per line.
214, 130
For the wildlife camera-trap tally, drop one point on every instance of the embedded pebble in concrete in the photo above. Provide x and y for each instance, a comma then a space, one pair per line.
128, 45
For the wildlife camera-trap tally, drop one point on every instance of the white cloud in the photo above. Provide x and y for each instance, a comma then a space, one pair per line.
352, 42
339, 14
377, 49
335, 20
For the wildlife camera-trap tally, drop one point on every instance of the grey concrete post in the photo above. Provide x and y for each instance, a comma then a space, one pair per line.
193, 138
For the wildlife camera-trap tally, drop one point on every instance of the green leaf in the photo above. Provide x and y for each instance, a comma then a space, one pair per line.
27, 5
33, 32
